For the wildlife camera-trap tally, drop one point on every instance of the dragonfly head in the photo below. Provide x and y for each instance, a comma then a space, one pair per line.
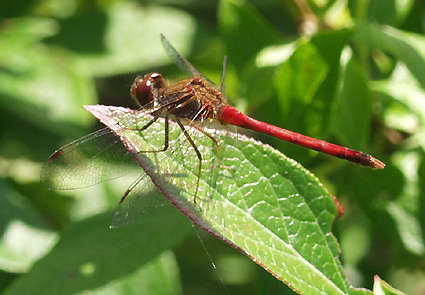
144, 89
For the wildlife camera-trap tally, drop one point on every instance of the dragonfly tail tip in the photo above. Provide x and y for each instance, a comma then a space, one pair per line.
377, 164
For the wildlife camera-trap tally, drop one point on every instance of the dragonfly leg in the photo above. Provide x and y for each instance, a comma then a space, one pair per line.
217, 145
131, 187
198, 154
166, 130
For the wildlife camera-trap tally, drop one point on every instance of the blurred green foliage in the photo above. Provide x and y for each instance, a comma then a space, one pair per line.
351, 72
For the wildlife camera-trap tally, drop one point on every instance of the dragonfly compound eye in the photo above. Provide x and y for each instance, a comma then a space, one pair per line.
141, 90
144, 89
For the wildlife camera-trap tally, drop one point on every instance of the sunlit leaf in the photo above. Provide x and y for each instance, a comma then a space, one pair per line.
22, 32
159, 276
125, 37
407, 47
40, 84
26, 236
408, 99
406, 209
260, 202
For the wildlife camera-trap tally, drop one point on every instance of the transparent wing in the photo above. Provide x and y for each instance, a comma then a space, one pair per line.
89, 160
184, 65
98, 157
102, 155
141, 198
92, 159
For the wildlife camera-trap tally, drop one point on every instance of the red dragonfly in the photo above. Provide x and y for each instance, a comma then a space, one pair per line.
195, 99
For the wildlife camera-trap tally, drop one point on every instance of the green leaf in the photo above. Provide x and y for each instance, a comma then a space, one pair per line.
298, 79
43, 83
409, 229
355, 243
389, 12
255, 199
406, 110
381, 287
124, 37
406, 209
407, 47
22, 32
245, 30
90, 256
329, 45
159, 276
352, 106
25, 234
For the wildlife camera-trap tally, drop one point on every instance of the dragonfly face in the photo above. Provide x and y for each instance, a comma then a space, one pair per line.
146, 90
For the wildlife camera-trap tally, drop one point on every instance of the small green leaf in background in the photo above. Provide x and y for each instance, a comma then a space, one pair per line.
257, 33
382, 288
406, 209
409, 229
407, 109
298, 79
26, 235
352, 105
407, 47
389, 12
329, 46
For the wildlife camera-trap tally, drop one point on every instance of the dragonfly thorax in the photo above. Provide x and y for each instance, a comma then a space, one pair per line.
192, 98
